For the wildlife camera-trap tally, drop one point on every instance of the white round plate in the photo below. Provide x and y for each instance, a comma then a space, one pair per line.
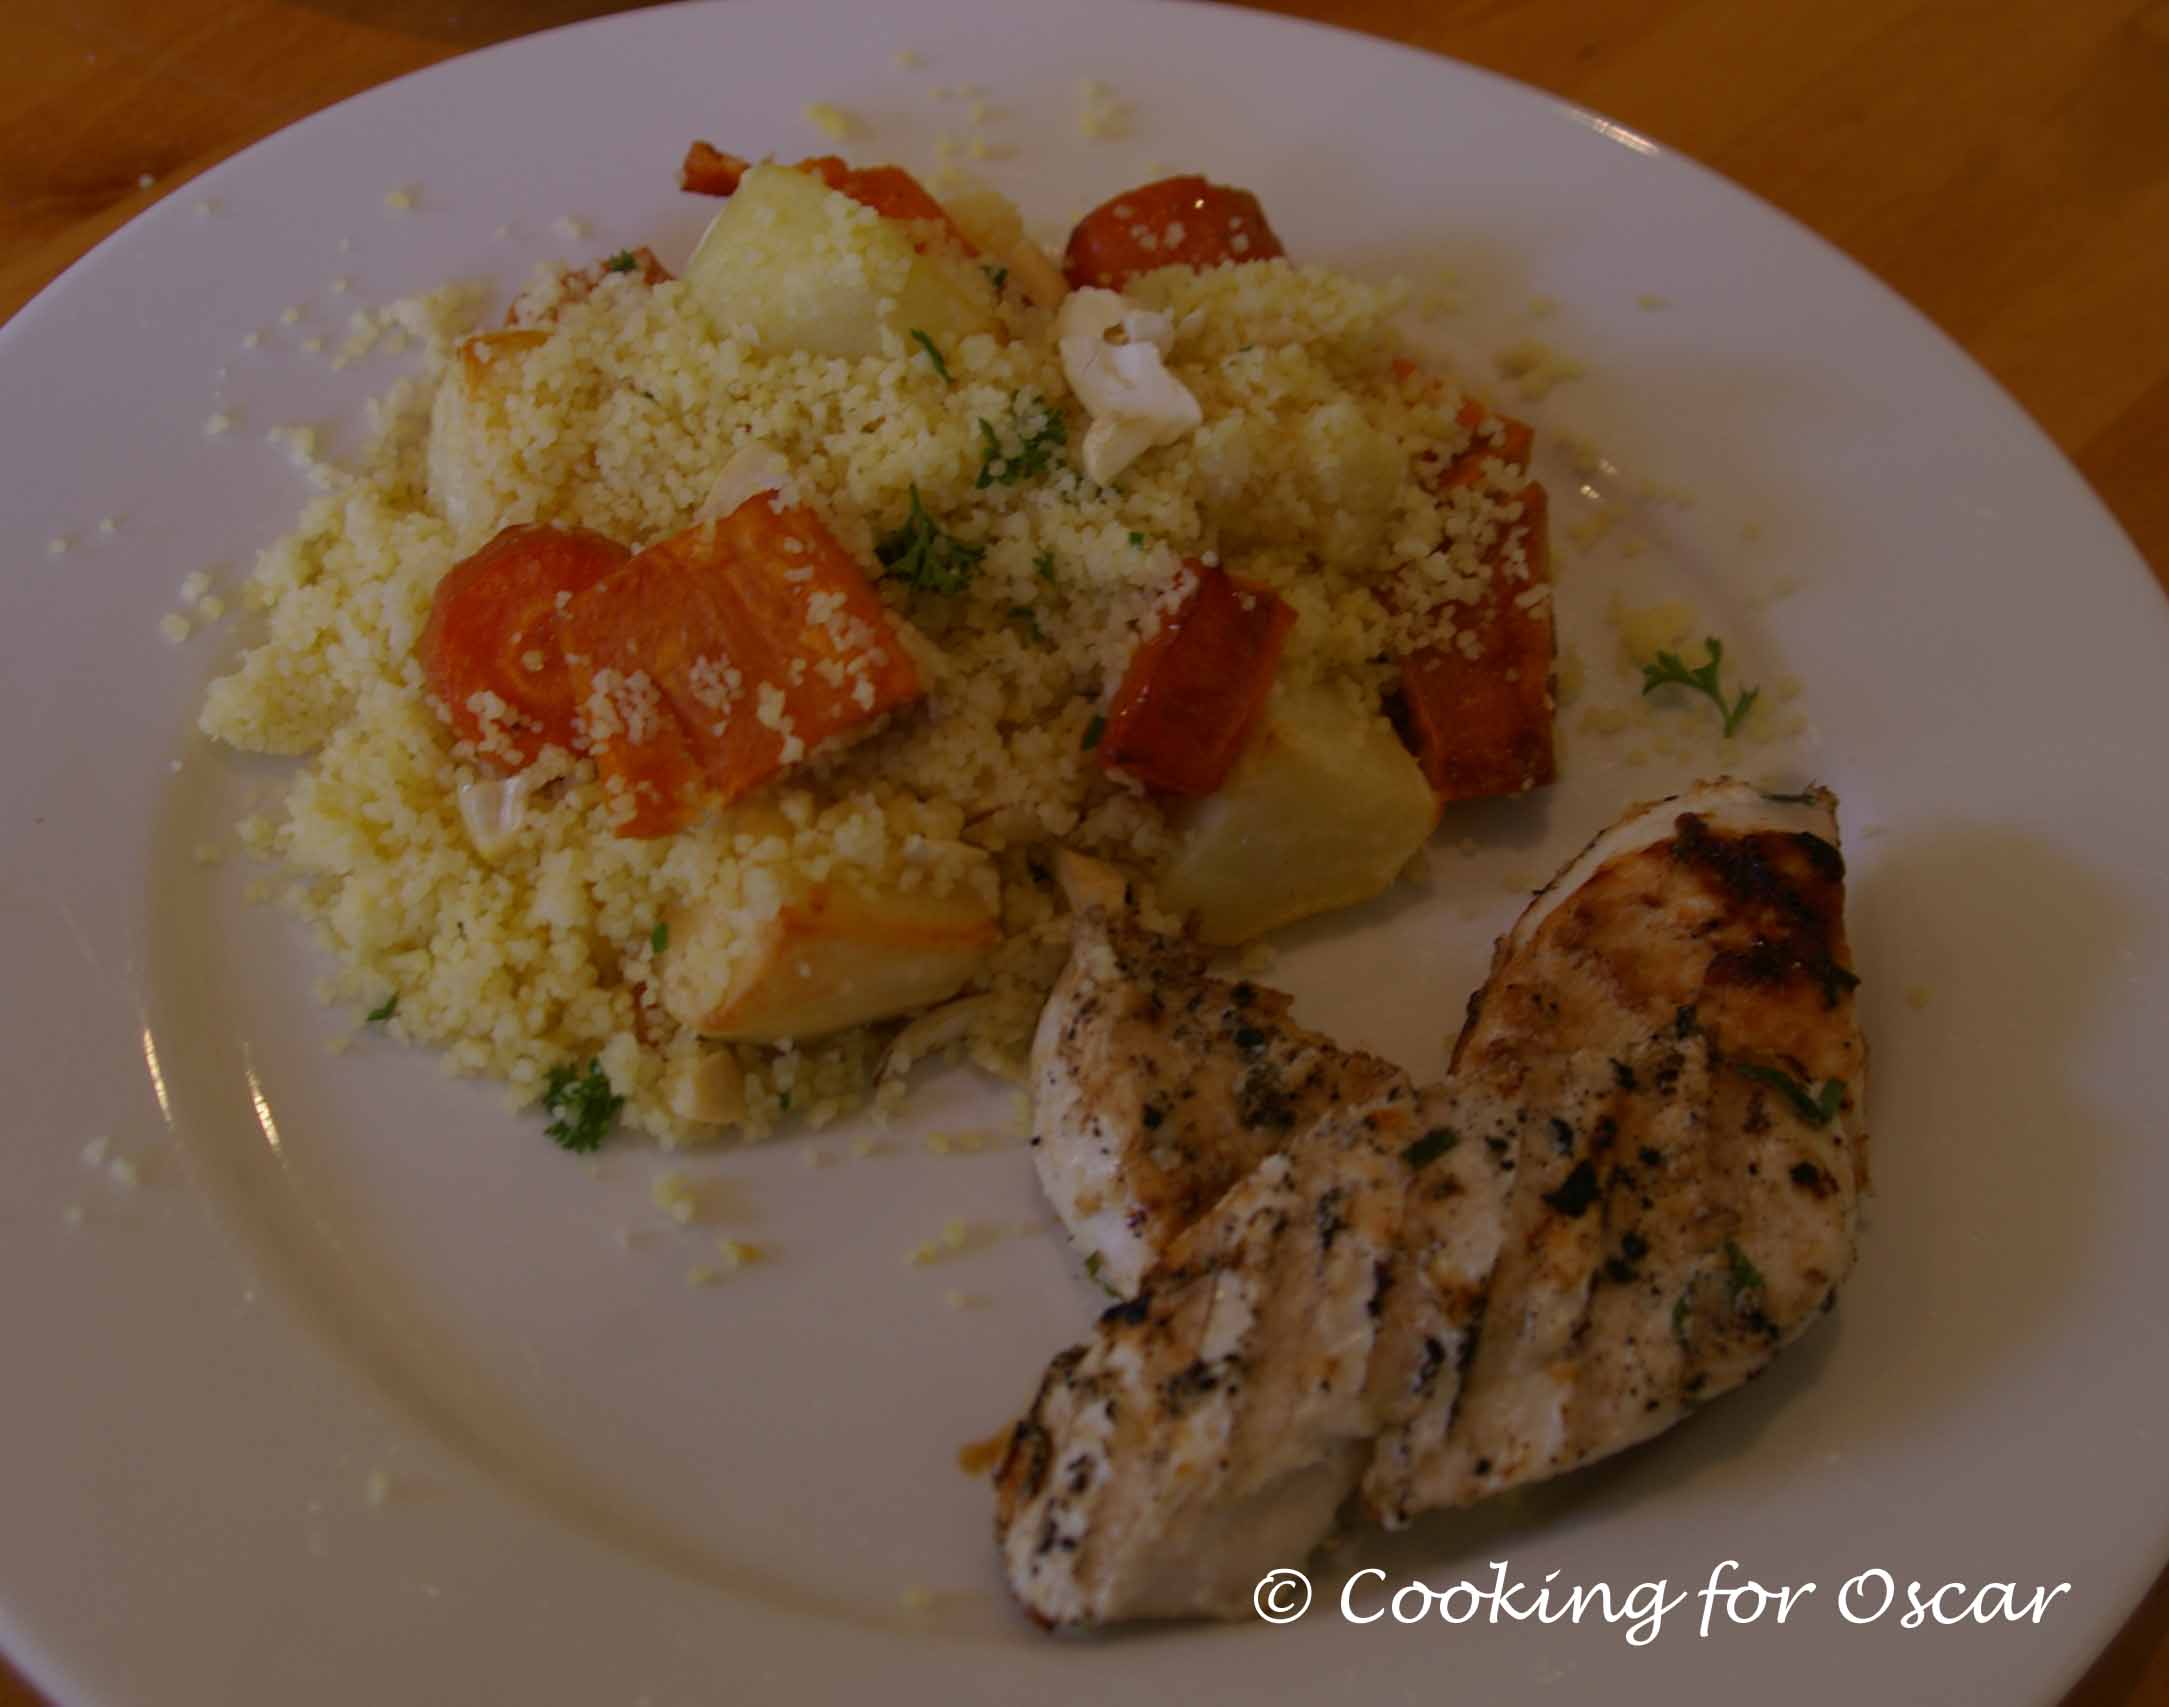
343, 1276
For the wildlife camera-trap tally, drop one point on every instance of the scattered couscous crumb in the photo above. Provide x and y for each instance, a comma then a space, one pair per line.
108, 526
173, 628
741, 1253
905, 59
96, 1150
217, 423
702, 1274
1101, 116
291, 314
377, 1489
250, 340
144, 181
830, 120
194, 585
569, 226
205, 206
956, 1300
72, 1216
399, 200
58, 545
1536, 368
1651, 301
1646, 630
1917, 996
916, 1598
123, 1173
1654, 491
676, 1196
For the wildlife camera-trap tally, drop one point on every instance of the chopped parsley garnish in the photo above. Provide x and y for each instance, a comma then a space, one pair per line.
996, 276
1137, 540
584, 1105
1432, 1145
933, 355
1679, 1313
1668, 671
1806, 797
925, 558
1093, 731
1043, 567
1741, 1275
659, 938
1093, 1264
623, 261
1814, 1107
1040, 431
1029, 617
384, 1010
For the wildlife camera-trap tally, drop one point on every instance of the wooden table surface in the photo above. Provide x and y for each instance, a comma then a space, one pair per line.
2003, 163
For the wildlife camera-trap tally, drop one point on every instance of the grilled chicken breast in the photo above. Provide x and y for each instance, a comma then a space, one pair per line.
1639, 1181
1217, 1421
1156, 1089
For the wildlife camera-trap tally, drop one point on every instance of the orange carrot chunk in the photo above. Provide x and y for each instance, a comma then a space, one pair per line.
1193, 689
1482, 726
725, 654
1176, 222
493, 631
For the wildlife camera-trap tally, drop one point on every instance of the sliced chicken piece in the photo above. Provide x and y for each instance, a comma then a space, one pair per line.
1673, 1017
1639, 1182
1157, 1088
1217, 1421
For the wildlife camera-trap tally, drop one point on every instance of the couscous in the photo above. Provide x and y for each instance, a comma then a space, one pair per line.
1168, 556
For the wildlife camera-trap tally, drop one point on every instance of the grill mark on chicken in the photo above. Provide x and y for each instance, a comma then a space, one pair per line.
1623, 1226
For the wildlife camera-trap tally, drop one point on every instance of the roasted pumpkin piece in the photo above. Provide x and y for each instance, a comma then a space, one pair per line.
490, 648
726, 653
1195, 686
1482, 725
1173, 222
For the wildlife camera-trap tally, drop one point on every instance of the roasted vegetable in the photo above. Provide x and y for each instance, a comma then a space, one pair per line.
798, 265
493, 635
830, 954
716, 658
1322, 810
1174, 222
1193, 688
